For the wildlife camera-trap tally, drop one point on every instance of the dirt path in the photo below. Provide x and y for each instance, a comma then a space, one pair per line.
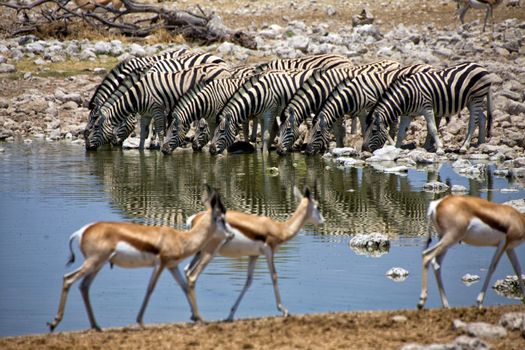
352, 330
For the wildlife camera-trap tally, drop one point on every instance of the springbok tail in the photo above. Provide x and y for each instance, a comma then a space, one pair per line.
430, 217
75, 235
489, 113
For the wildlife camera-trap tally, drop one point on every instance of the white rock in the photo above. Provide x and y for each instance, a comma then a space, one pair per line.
459, 189
470, 279
513, 320
397, 274
396, 170
386, 153
485, 330
435, 186
137, 50
344, 151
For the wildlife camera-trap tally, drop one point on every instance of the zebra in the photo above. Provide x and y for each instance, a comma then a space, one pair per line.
204, 101
202, 135
118, 75
264, 96
309, 98
152, 95
322, 61
355, 96
170, 61
434, 95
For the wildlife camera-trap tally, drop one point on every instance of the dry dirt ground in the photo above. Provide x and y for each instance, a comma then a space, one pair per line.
351, 330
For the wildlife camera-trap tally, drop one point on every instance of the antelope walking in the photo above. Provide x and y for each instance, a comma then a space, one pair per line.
132, 245
488, 5
477, 222
254, 236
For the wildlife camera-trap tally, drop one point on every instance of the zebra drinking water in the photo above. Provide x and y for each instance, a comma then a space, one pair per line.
434, 95
151, 96
355, 96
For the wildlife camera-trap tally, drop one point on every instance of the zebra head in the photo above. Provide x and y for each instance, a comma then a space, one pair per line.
224, 135
375, 133
99, 134
288, 133
175, 135
202, 135
93, 116
317, 140
123, 130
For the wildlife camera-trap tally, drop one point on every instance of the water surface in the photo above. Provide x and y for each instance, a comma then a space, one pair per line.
49, 190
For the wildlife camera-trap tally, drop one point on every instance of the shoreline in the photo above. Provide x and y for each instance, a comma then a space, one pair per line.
388, 329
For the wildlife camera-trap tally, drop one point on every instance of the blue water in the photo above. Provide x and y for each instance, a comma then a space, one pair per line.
49, 190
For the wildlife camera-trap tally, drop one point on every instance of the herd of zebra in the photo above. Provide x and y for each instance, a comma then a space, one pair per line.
184, 88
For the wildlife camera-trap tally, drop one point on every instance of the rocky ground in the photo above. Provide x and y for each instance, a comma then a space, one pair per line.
45, 85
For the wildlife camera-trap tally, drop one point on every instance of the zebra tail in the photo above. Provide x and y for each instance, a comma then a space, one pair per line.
489, 113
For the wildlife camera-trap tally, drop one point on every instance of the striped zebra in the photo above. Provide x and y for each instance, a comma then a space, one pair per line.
263, 96
322, 61
152, 96
355, 96
170, 61
433, 95
309, 98
202, 135
204, 101
118, 75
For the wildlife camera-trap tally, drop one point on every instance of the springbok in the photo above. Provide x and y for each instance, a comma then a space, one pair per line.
132, 245
254, 235
477, 222
488, 5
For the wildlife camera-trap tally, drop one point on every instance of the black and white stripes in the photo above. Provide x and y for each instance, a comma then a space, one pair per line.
433, 95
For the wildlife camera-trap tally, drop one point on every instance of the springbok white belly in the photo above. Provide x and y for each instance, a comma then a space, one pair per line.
240, 245
481, 234
127, 256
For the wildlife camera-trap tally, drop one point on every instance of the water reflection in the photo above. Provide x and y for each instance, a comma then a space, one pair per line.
155, 189
48, 190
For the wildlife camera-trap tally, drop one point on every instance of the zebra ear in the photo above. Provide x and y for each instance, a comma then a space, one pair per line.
292, 115
322, 121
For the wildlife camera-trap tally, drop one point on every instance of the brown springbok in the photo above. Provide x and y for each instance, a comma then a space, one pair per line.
488, 5
477, 222
131, 245
254, 235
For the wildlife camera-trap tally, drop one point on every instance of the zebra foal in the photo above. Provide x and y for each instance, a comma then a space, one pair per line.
434, 95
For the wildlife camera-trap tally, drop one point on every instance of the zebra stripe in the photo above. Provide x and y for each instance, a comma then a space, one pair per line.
264, 96
433, 95
323, 61
202, 102
309, 98
185, 61
202, 135
355, 96
151, 96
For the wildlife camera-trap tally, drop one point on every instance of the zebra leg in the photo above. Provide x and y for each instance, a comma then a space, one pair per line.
432, 129
403, 127
144, 130
339, 131
353, 127
274, 131
253, 136
470, 131
159, 118
245, 130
